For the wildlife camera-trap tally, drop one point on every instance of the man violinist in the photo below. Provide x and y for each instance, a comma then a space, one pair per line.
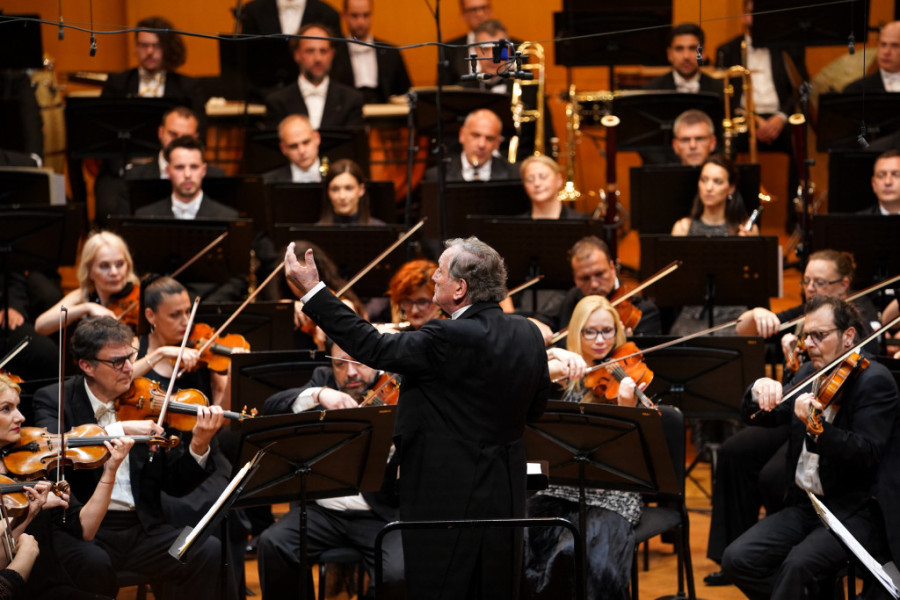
470, 383
345, 522
788, 554
134, 535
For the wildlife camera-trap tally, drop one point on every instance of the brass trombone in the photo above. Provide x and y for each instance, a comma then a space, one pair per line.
521, 114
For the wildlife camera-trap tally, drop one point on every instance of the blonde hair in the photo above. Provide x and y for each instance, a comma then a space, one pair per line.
89, 253
583, 311
542, 159
8, 384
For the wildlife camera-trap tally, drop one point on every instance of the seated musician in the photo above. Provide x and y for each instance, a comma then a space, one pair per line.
886, 183
887, 79
412, 294
299, 143
749, 467
693, 137
543, 180
45, 512
786, 554
106, 278
349, 521
328, 103
479, 160
347, 199
685, 40
473, 13
594, 273
595, 333
134, 535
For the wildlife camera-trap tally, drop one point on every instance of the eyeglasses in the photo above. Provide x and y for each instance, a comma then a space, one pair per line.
817, 336
818, 283
117, 363
608, 333
422, 304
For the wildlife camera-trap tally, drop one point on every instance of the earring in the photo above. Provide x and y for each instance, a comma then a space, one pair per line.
730, 197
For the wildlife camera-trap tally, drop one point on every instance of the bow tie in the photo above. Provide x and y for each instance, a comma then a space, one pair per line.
314, 93
103, 411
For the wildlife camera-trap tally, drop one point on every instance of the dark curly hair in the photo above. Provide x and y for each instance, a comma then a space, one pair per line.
174, 52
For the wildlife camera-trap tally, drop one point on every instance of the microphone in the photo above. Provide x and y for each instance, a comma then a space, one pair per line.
93, 45
700, 56
850, 44
62, 32
475, 77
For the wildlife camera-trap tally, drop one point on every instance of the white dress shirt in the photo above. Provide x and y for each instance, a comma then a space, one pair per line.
687, 86
290, 13
365, 64
151, 85
186, 211
105, 412
310, 175
469, 170
314, 98
765, 96
891, 81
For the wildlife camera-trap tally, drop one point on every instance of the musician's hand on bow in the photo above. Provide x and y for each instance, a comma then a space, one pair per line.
767, 393
626, 392
565, 364
303, 275
788, 343
142, 427
332, 399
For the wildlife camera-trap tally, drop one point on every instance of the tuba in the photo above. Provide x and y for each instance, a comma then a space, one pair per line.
521, 114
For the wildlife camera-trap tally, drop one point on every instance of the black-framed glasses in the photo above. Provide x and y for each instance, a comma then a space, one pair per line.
608, 333
422, 304
117, 363
818, 283
818, 336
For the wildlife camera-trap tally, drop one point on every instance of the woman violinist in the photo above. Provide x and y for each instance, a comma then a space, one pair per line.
412, 294
595, 331
346, 196
107, 285
48, 515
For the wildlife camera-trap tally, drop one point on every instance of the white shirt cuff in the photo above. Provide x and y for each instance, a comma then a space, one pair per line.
306, 298
305, 400
201, 459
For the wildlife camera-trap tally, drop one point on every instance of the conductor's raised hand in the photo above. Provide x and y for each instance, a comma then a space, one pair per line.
303, 275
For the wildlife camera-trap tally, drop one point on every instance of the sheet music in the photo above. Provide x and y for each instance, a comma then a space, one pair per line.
887, 574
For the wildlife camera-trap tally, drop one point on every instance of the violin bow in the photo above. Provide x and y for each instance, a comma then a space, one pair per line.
379, 258
238, 310
15, 351
670, 268
524, 286
60, 423
187, 334
796, 389
197, 256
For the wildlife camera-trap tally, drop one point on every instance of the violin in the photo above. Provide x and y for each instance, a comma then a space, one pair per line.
125, 304
796, 357
15, 500
385, 391
36, 454
145, 399
216, 351
629, 314
604, 382
849, 368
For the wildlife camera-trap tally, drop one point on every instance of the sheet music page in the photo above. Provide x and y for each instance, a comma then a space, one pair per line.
868, 561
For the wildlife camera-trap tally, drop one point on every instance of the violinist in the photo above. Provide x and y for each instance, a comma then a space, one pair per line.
349, 521
787, 553
134, 535
412, 294
80, 523
595, 331
594, 273
106, 281
346, 196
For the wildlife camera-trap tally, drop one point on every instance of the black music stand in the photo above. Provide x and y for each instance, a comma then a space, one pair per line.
296, 203
29, 186
351, 248
266, 325
258, 375
779, 23
850, 180
20, 42
662, 194
531, 248
602, 446
871, 238
314, 455
262, 151
843, 118
715, 271
456, 103
506, 198
162, 245
647, 117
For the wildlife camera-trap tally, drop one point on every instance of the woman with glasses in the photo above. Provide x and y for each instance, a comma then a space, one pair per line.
105, 277
611, 514
412, 294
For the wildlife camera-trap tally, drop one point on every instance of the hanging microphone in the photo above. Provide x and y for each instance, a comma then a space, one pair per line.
93, 45
62, 32
861, 138
700, 55
850, 44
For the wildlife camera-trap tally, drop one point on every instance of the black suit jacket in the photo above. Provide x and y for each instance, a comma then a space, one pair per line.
280, 175
260, 17
469, 386
729, 54
393, 78
871, 84
343, 105
501, 170
174, 472
126, 84
667, 82
209, 209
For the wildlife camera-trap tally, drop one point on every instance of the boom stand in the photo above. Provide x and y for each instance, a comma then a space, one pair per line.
313, 455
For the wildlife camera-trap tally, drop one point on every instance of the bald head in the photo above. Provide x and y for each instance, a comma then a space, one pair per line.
480, 136
889, 47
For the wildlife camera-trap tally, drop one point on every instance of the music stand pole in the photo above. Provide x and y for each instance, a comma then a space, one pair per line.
441, 151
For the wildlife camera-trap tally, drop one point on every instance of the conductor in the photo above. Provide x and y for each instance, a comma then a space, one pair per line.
470, 383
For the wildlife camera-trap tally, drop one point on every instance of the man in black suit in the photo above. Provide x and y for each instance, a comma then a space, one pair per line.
473, 13
470, 383
480, 138
888, 77
886, 184
158, 55
328, 103
345, 522
377, 73
693, 137
786, 554
299, 143
685, 40
134, 534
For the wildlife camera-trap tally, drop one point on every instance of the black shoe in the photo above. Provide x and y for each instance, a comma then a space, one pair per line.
717, 578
